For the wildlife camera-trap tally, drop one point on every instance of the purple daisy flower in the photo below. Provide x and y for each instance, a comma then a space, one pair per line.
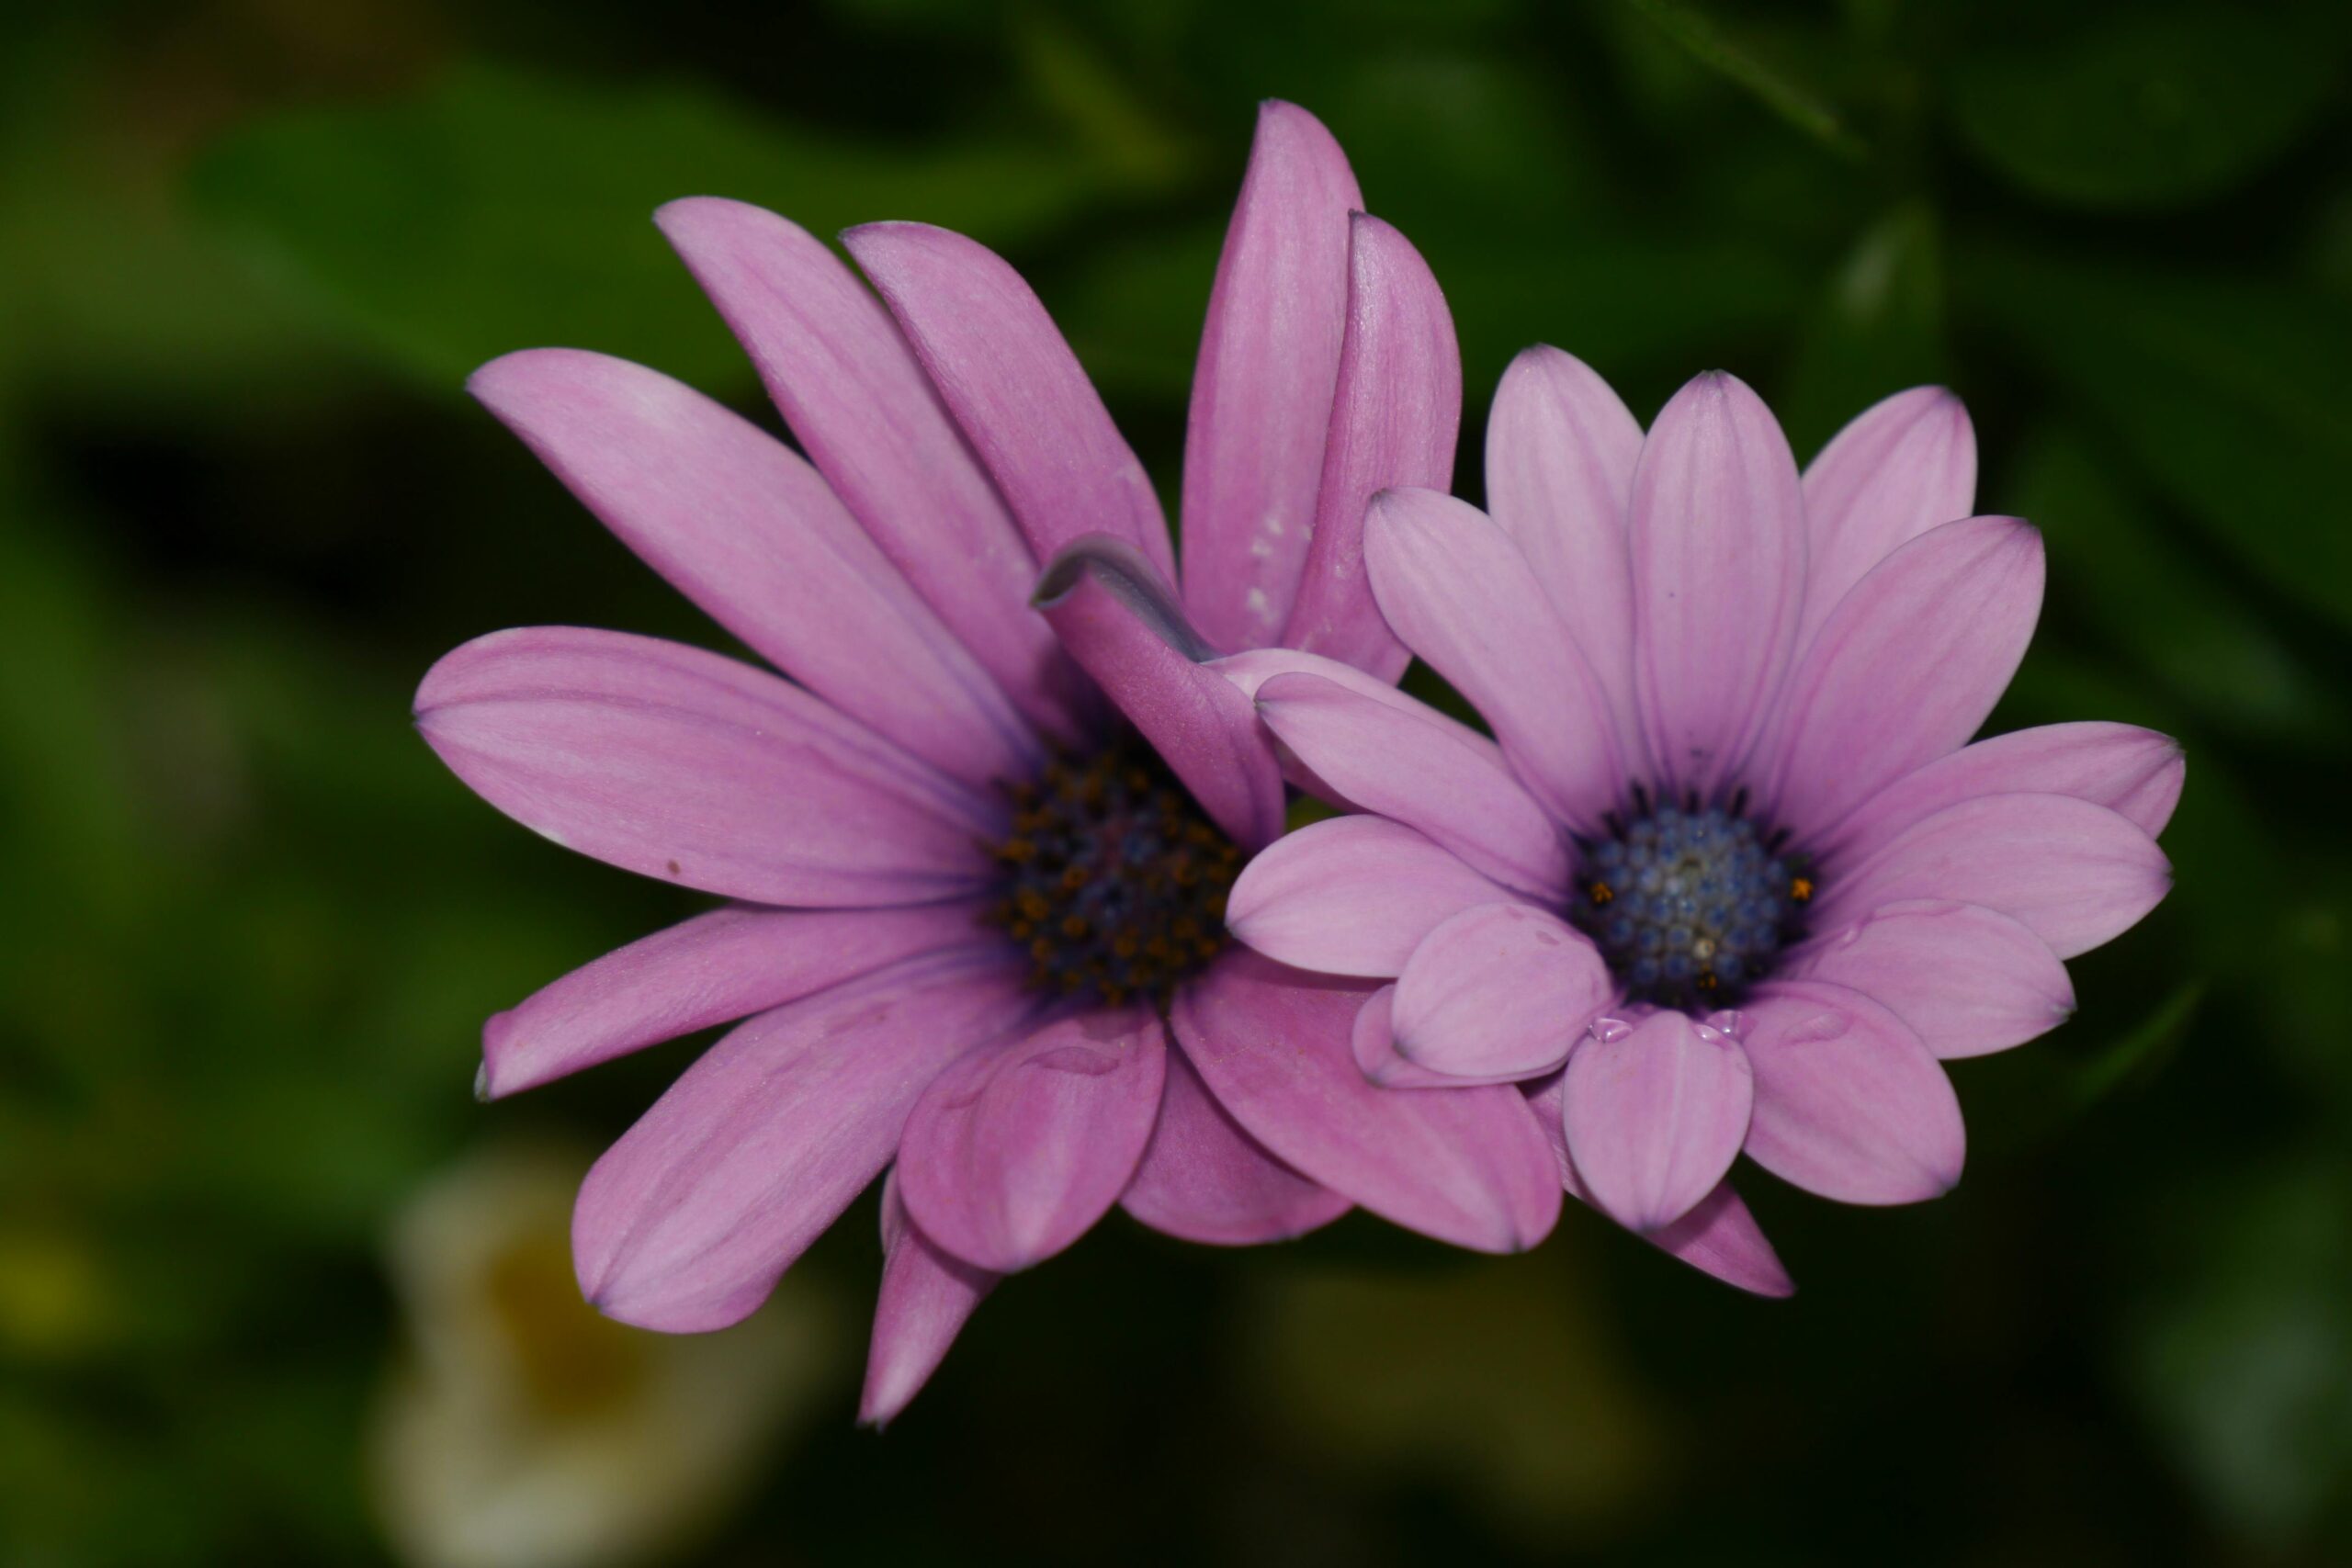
977, 857
1730, 877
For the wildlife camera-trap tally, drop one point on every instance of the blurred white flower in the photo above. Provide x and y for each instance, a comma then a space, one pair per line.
522, 1430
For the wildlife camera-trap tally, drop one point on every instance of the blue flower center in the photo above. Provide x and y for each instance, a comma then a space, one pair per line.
1690, 905
1115, 879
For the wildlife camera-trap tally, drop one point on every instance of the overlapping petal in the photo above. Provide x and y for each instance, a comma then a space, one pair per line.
685, 1223
2074, 873
748, 530
1466, 1166
1394, 418
1461, 595
712, 969
1655, 1113
676, 763
1393, 756
1850, 1104
1717, 545
862, 409
1901, 467
1262, 390
1203, 1178
1905, 669
1121, 622
1497, 993
1015, 389
928, 1295
1967, 979
1015, 1151
1561, 448
1353, 895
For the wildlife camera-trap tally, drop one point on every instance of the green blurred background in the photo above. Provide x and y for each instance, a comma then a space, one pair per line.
274, 1289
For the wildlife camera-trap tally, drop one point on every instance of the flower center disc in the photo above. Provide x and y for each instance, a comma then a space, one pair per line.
1689, 907
1114, 880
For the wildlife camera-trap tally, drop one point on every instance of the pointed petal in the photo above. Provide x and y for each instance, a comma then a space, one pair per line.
1499, 992
1396, 758
713, 969
859, 403
1203, 1178
1121, 622
1353, 895
679, 764
1849, 1103
1461, 595
1907, 668
1015, 389
2136, 773
686, 1222
1560, 454
1902, 466
1393, 421
1967, 979
2074, 873
928, 1295
746, 529
1016, 1150
1655, 1116
1467, 1166
1718, 551
1262, 390
1718, 1236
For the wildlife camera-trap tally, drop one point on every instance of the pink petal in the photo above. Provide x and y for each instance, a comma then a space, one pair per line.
1203, 1178
712, 969
1120, 620
747, 530
1353, 895
2134, 771
1467, 1166
857, 399
1907, 668
1902, 466
1849, 1103
1499, 992
1262, 390
1251, 669
686, 1222
1016, 1150
1463, 597
927, 1295
1560, 453
1393, 421
676, 763
1018, 392
1967, 979
1654, 1115
2074, 873
1718, 552
1396, 758
1372, 1039
1719, 1235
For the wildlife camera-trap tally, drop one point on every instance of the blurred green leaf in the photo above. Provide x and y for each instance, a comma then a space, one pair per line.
2149, 108
2232, 397
2246, 1360
1708, 43
1879, 329
500, 210
2148, 598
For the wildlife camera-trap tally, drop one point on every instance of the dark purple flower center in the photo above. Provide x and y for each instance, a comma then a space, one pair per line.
1689, 905
1115, 879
